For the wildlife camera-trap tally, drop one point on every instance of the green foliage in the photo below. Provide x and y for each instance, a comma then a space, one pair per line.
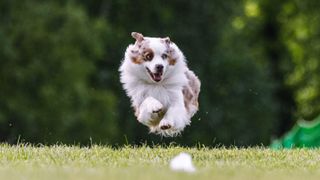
300, 34
59, 59
47, 65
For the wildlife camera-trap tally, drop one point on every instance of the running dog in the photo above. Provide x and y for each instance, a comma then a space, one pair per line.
163, 90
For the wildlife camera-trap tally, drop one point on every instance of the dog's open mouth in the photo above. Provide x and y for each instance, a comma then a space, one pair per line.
157, 76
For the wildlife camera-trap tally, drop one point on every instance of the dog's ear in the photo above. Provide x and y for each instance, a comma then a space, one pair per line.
167, 40
138, 36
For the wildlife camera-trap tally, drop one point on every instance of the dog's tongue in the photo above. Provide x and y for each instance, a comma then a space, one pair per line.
157, 76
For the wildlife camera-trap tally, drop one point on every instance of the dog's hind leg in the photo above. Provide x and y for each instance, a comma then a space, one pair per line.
150, 112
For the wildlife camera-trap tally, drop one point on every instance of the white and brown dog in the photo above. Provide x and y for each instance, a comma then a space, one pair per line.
163, 91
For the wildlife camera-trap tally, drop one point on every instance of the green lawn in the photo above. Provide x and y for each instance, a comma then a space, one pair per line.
101, 162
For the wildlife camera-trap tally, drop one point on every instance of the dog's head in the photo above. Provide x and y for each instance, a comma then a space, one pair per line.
155, 55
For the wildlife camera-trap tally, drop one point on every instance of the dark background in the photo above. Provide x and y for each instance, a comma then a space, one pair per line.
258, 62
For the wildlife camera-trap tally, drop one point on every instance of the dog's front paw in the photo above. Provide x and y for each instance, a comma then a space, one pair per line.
153, 107
165, 124
151, 111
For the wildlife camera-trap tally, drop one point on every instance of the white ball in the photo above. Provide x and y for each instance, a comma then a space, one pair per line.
182, 162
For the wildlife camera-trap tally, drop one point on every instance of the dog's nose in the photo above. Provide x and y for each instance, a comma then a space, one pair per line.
159, 67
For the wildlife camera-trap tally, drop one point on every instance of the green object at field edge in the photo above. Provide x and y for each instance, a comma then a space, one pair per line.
304, 134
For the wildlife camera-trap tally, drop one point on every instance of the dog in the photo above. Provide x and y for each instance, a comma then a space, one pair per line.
163, 90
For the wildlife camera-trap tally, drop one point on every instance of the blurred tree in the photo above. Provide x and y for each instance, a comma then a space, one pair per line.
48, 55
59, 80
301, 37
277, 57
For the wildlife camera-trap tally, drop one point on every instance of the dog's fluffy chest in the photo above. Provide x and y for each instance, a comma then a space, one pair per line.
163, 94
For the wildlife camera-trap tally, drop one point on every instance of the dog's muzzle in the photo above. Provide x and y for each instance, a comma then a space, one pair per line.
157, 76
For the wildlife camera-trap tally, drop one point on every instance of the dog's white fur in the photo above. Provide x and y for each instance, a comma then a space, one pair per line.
165, 106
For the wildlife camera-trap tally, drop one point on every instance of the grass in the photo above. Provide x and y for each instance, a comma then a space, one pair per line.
101, 162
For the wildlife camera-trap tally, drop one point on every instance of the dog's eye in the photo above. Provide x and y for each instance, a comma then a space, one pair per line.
164, 56
149, 56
